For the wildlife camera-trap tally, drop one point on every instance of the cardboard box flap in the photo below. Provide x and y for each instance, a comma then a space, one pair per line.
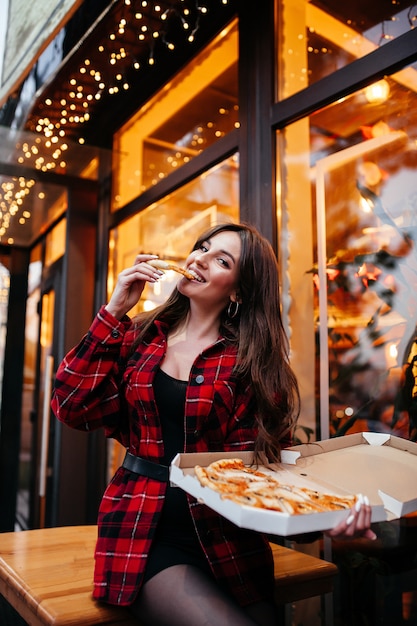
376, 439
380, 466
289, 457
357, 439
191, 459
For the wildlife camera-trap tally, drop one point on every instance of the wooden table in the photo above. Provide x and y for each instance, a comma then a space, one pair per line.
299, 576
46, 576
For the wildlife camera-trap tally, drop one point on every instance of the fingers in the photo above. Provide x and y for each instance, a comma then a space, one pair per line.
357, 524
146, 271
130, 284
369, 534
141, 271
134, 278
142, 258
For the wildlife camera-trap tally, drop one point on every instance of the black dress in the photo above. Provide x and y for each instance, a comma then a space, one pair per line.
176, 541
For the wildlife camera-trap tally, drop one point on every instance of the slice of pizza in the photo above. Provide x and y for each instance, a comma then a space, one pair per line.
233, 476
167, 265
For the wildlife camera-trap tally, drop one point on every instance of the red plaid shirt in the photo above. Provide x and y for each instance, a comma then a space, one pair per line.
98, 386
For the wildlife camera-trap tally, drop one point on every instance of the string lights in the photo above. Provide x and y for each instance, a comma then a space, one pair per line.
139, 27
133, 41
412, 15
135, 35
13, 192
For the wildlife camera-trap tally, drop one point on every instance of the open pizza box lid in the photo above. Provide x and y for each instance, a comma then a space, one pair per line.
380, 466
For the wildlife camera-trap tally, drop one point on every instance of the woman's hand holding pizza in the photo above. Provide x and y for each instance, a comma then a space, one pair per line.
130, 284
357, 524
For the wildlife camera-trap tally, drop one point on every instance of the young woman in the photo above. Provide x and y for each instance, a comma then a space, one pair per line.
206, 371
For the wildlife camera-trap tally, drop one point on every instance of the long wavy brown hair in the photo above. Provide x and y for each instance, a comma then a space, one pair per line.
258, 332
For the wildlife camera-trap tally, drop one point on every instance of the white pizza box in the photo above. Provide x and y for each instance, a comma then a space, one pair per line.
380, 466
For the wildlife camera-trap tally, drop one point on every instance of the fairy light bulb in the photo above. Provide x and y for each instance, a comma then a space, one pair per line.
378, 92
74, 109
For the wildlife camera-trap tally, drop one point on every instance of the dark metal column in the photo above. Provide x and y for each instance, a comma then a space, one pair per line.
11, 396
79, 458
256, 95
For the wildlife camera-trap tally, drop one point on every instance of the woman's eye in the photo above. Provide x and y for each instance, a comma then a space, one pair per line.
203, 247
224, 262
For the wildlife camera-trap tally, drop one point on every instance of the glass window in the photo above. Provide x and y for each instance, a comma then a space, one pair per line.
4, 303
169, 227
197, 107
55, 242
317, 38
348, 186
29, 384
28, 206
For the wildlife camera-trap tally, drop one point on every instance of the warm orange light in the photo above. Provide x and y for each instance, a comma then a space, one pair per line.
377, 92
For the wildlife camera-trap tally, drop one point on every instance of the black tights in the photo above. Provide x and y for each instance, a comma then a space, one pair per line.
183, 595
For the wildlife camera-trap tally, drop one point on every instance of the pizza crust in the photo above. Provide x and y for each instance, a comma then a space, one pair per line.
165, 265
235, 481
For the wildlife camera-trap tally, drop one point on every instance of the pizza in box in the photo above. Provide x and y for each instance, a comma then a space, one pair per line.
251, 486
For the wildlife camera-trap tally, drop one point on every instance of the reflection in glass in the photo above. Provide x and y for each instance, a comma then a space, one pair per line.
195, 109
349, 193
169, 227
318, 38
29, 205
26, 479
4, 303
45, 428
55, 242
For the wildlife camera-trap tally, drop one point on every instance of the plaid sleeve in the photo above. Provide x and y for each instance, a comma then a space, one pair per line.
86, 392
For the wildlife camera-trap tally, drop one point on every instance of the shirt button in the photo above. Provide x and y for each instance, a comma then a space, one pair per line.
199, 379
115, 333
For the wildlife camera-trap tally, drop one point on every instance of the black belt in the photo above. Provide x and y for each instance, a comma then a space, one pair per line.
146, 468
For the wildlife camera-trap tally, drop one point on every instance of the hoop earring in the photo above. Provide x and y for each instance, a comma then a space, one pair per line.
232, 312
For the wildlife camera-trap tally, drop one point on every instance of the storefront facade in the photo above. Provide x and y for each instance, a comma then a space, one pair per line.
298, 117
